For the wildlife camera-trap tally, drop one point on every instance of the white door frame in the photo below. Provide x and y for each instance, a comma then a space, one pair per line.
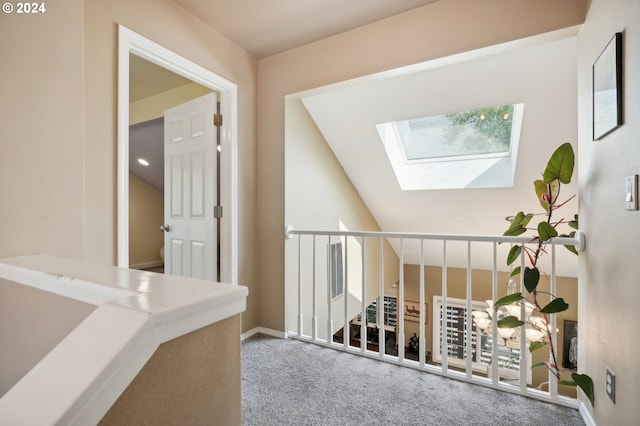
131, 42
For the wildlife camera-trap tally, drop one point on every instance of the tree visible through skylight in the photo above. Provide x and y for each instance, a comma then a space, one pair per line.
480, 132
469, 149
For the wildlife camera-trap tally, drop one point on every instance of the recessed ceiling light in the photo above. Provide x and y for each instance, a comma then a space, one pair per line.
143, 161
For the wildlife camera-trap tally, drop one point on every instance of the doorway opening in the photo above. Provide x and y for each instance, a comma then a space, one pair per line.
132, 49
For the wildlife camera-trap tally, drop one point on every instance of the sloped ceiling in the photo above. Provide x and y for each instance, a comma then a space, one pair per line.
542, 76
146, 141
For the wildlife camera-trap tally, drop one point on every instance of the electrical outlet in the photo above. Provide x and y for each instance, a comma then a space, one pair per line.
610, 383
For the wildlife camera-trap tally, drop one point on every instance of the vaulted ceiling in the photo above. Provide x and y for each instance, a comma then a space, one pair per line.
538, 72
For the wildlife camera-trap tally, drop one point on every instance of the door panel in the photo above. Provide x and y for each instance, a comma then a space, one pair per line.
190, 173
198, 184
198, 259
176, 248
175, 194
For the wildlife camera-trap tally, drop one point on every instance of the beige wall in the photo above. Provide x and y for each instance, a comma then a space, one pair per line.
609, 290
58, 125
169, 25
191, 380
320, 196
384, 45
567, 288
41, 132
25, 313
146, 216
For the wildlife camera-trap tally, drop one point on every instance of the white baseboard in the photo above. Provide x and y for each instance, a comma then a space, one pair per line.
586, 415
263, 330
147, 265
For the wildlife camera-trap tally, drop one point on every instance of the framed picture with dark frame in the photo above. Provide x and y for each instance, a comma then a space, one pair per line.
570, 345
607, 89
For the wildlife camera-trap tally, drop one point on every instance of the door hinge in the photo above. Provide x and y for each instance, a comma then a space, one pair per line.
217, 120
217, 212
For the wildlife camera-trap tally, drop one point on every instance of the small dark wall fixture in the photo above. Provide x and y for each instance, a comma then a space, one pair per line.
570, 345
607, 89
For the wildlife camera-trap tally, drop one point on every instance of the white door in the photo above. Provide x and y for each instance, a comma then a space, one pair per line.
190, 185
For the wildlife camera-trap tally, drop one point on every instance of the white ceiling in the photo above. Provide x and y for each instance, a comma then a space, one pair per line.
267, 27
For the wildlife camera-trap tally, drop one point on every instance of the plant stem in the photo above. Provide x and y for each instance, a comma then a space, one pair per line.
555, 370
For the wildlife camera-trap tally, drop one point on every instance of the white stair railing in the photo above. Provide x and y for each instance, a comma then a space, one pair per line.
317, 264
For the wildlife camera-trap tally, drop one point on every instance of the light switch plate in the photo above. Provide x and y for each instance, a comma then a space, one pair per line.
631, 192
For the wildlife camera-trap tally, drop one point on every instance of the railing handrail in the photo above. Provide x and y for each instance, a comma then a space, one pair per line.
578, 240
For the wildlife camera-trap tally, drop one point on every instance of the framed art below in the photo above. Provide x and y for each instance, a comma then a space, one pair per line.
607, 89
412, 311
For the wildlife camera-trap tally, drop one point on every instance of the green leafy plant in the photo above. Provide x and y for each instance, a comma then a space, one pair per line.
558, 172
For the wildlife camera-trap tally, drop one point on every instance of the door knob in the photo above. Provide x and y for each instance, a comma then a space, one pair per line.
165, 228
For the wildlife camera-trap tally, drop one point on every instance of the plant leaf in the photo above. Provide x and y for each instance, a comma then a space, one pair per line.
507, 300
546, 231
574, 223
509, 322
537, 345
538, 364
542, 190
555, 306
514, 253
567, 382
518, 224
560, 165
515, 271
531, 278
585, 383
572, 249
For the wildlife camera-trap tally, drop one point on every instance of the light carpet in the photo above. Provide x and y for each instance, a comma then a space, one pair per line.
288, 382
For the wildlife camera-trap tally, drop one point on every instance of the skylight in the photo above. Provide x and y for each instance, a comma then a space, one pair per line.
469, 149
478, 132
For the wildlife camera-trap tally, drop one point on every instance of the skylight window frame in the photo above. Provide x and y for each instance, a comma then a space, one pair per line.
516, 119
452, 158
428, 173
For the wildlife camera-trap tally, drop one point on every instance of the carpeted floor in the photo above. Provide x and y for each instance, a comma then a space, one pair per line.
287, 382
